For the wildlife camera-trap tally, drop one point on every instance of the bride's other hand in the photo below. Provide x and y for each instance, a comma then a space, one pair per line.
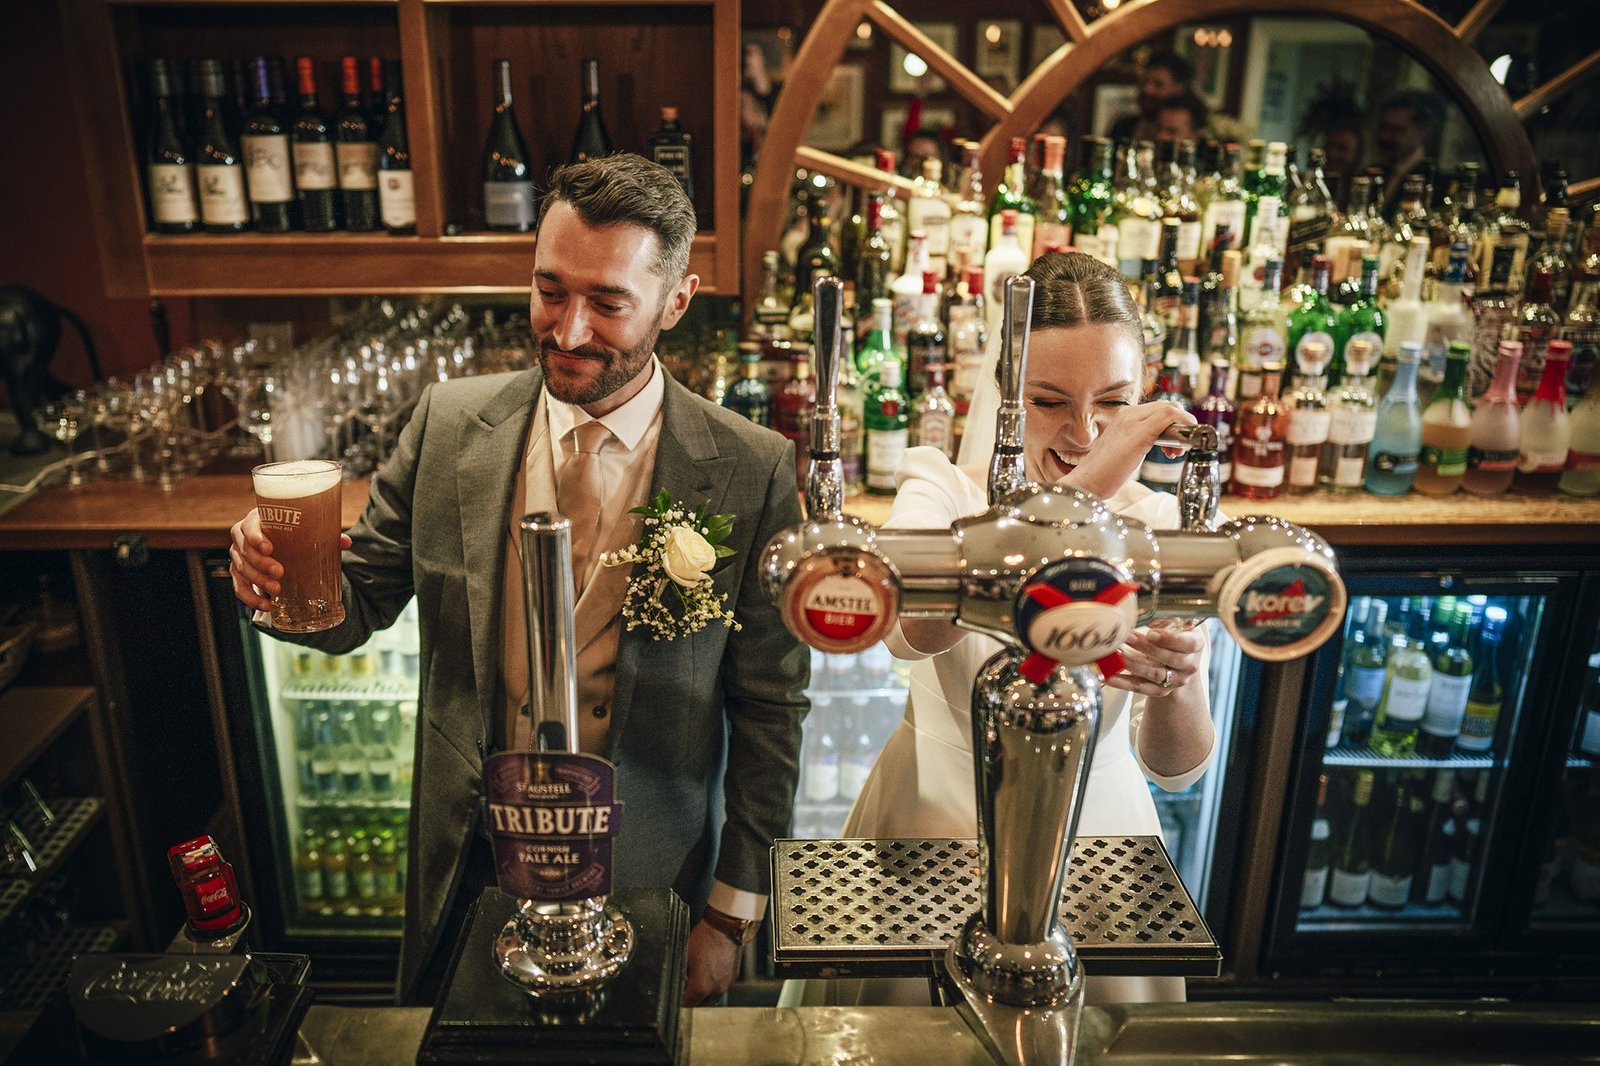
1160, 661
1114, 458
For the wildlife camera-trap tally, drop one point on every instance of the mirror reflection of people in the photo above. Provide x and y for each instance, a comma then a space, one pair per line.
1086, 429
704, 729
1341, 146
1163, 75
1406, 133
1181, 118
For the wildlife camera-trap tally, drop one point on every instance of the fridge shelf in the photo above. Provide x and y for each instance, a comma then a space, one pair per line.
897, 693
365, 688
1350, 755
313, 804
31, 986
74, 819
1326, 917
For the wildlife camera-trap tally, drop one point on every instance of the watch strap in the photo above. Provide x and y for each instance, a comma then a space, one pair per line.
739, 930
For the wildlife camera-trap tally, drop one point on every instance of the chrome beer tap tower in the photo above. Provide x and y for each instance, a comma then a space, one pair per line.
1061, 582
574, 946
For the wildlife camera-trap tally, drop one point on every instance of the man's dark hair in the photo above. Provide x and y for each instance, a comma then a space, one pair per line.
628, 189
1188, 101
1181, 69
1427, 111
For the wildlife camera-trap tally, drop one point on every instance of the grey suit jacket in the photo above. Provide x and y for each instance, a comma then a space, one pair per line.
705, 730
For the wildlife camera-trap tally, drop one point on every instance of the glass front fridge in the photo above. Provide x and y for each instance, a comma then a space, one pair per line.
323, 750
1409, 787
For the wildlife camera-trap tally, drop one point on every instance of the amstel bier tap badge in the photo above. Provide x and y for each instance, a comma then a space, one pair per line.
841, 602
552, 817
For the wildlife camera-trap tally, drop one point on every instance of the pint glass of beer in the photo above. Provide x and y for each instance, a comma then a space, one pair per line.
298, 503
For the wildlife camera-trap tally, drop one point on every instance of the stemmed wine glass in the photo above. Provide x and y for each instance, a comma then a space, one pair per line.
62, 418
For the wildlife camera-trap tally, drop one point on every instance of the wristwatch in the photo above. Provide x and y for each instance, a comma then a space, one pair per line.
739, 930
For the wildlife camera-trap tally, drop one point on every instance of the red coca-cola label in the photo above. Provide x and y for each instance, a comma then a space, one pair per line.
212, 903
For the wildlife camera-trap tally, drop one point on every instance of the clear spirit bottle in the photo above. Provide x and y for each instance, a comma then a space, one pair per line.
1397, 442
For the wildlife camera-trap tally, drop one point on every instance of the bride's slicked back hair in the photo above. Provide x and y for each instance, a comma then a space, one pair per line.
1073, 289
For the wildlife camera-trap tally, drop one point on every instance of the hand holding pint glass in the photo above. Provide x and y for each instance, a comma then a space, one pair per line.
286, 552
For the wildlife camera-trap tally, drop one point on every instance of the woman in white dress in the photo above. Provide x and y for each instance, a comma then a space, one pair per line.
1086, 429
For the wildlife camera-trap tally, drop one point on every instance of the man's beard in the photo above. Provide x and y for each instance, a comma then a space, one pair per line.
617, 369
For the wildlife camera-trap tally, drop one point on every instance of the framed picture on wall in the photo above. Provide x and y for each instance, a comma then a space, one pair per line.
838, 122
1209, 49
999, 48
909, 73
1047, 37
891, 124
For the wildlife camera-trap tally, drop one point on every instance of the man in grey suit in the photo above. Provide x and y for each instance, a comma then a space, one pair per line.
704, 729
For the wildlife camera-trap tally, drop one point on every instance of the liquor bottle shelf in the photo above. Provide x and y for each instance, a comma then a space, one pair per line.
1326, 918
74, 820
1350, 755
30, 987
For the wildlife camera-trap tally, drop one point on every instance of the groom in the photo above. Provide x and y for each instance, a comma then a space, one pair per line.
705, 730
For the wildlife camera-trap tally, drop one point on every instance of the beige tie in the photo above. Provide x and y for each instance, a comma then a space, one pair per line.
579, 491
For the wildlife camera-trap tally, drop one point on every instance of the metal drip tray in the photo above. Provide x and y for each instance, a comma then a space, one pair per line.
888, 908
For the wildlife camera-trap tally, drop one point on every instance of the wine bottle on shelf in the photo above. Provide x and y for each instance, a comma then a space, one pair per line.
266, 157
1468, 830
1314, 888
218, 164
1452, 683
1364, 671
356, 152
1350, 878
507, 183
1393, 867
1487, 694
397, 197
591, 141
1406, 684
1431, 883
1495, 441
671, 147
377, 93
169, 166
316, 175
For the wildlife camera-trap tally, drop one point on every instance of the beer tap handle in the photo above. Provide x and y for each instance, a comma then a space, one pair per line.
548, 599
1008, 474
825, 478
1200, 481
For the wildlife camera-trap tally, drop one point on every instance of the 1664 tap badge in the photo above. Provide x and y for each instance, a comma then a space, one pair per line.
1281, 604
842, 602
552, 817
1076, 611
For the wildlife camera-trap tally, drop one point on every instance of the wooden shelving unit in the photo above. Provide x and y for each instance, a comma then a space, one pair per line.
652, 53
31, 718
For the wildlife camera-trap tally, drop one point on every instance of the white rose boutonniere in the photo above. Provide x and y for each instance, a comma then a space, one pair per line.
676, 550
687, 556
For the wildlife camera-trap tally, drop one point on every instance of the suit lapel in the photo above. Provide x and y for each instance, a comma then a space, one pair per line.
491, 452
689, 468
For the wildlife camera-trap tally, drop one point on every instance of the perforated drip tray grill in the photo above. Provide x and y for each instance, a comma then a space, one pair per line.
888, 908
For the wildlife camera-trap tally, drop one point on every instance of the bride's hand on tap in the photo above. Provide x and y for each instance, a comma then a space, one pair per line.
1114, 458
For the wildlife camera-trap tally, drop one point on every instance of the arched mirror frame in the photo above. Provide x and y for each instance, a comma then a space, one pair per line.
1445, 50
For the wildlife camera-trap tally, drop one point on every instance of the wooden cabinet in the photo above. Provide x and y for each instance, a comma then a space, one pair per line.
652, 54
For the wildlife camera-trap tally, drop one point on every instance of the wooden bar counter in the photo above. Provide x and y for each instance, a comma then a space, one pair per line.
198, 512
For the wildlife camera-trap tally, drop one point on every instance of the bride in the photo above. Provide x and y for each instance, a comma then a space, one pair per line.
1085, 429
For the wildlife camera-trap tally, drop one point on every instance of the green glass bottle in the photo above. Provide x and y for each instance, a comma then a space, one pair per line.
1364, 673
1363, 317
1487, 694
1446, 429
1452, 684
1315, 317
887, 425
877, 347
1012, 195
1092, 230
1351, 876
1405, 691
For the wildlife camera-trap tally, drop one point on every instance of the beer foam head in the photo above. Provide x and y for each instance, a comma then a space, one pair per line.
295, 480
